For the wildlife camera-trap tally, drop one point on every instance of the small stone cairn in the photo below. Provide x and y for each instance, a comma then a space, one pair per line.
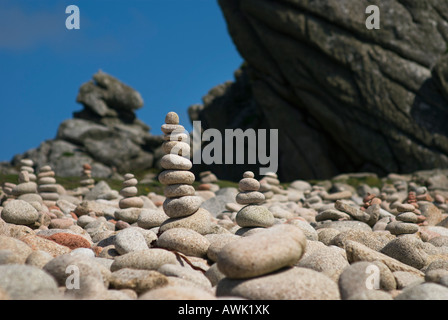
47, 186
208, 181
86, 178
27, 165
26, 189
252, 214
129, 192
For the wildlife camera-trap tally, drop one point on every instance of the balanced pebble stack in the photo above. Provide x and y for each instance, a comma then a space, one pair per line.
47, 186
252, 214
26, 189
181, 203
130, 205
86, 177
129, 192
27, 165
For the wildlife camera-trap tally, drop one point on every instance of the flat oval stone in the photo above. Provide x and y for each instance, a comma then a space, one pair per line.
47, 188
186, 241
129, 215
128, 176
19, 212
176, 147
254, 216
407, 217
262, 252
249, 184
332, 214
176, 136
50, 196
181, 207
47, 180
168, 128
139, 281
148, 259
26, 187
399, 227
130, 182
132, 202
128, 240
150, 218
175, 162
405, 207
27, 162
250, 197
45, 174
129, 192
179, 190
200, 221
169, 177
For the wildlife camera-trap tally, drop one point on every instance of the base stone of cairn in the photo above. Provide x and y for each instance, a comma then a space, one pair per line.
252, 214
47, 186
181, 205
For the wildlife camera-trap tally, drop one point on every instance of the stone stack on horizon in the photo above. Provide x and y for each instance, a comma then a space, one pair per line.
208, 180
47, 187
131, 205
270, 185
182, 206
252, 214
27, 165
7, 188
86, 179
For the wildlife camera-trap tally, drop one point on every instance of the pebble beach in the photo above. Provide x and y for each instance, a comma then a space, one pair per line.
261, 240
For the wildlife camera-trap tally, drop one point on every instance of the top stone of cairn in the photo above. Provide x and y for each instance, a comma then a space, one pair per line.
172, 118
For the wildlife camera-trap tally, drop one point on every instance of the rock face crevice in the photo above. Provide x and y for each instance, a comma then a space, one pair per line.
106, 133
344, 98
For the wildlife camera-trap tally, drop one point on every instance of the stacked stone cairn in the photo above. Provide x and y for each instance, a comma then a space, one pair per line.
86, 178
27, 165
47, 186
253, 214
26, 189
130, 205
208, 181
181, 205
7, 188
270, 186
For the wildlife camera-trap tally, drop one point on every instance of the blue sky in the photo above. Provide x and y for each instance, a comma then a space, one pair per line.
171, 51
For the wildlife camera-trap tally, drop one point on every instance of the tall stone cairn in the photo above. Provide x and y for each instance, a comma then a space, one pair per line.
47, 187
182, 206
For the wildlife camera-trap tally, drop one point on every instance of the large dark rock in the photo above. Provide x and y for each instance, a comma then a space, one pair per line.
344, 98
106, 134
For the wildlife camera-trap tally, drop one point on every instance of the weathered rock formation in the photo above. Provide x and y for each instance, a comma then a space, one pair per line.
106, 134
344, 98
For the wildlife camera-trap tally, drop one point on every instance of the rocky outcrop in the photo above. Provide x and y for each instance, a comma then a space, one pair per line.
344, 98
105, 134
